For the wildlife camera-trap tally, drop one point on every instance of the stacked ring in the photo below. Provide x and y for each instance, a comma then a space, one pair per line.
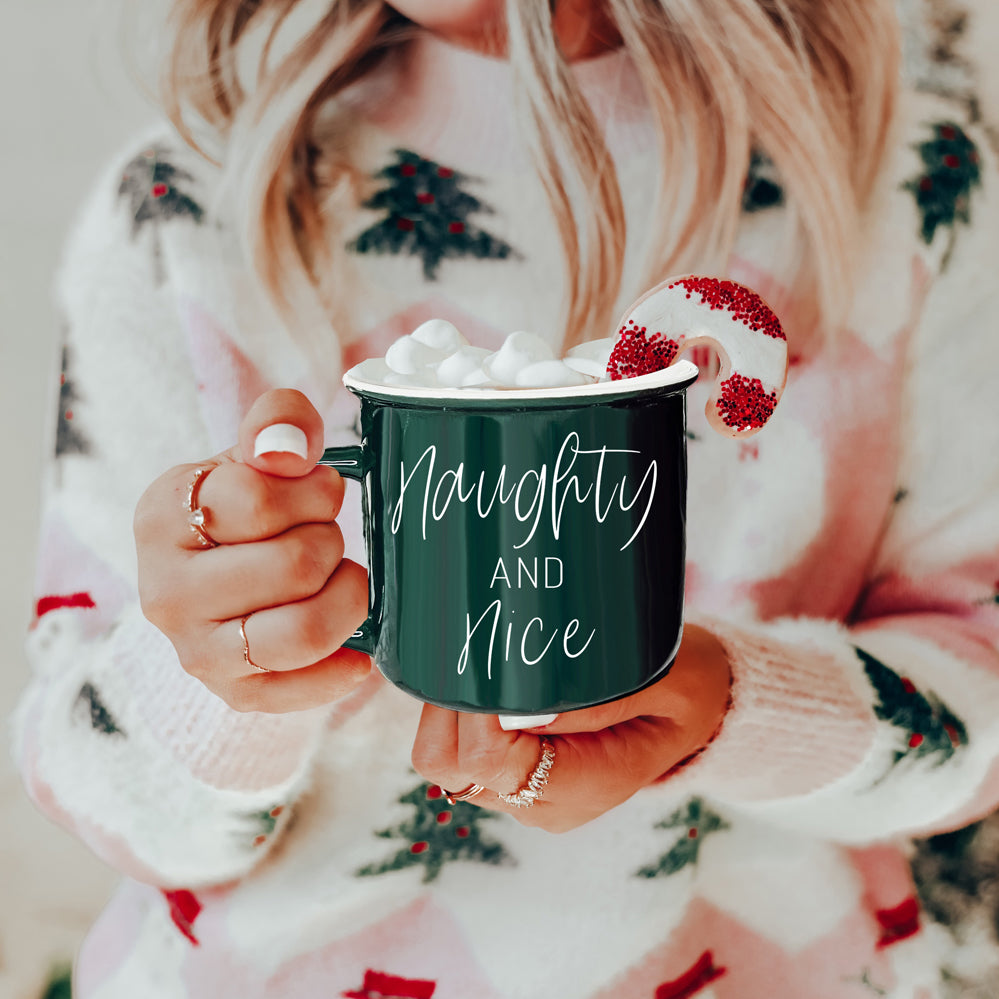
537, 780
246, 647
198, 515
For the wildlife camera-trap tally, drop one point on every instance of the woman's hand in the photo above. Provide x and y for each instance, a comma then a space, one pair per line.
603, 755
278, 567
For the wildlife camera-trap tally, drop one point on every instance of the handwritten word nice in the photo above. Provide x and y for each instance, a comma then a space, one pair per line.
534, 493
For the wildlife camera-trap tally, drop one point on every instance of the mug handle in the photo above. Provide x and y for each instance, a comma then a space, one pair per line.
351, 462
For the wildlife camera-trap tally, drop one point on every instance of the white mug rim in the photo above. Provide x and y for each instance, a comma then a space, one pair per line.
680, 371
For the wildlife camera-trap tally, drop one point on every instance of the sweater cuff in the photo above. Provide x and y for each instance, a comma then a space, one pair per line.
224, 748
800, 717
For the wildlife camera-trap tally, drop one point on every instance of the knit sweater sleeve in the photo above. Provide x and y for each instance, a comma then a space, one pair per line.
887, 723
115, 741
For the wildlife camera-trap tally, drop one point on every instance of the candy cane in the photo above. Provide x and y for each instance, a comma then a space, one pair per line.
683, 312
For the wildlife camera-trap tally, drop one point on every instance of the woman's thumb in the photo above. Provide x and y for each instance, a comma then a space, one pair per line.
282, 434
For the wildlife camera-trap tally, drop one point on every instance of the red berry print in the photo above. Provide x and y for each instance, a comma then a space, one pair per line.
443, 818
425, 198
378, 985
952, 161
184, 910
638, 352
159, 190
456, 228
408, 170
700, 976
908, 686
434, 792
405, 225
419, 847
46, 605
445, 173
899, 923
744, 403
462, 832
738, 301
915, 740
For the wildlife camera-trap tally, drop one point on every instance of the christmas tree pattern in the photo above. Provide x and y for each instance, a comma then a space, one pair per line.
101, 720
151, 183
696, 821
263, 824
930, 730
437, 834
69, 438
761, 189
951, 170
427, 216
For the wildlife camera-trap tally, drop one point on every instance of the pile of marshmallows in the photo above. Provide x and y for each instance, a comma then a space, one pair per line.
436, 355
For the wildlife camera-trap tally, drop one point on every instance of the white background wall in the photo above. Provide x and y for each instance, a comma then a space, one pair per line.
66, 103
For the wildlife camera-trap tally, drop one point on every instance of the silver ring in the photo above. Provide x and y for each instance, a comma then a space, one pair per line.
198, 515
246, 648
537, 780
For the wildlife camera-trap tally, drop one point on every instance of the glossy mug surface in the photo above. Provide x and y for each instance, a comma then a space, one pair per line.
526, 547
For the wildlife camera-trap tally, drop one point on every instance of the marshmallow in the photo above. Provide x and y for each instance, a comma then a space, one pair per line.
591, 358
439, 334
518, 350
548, 374
374, 369
407, 356
464, 363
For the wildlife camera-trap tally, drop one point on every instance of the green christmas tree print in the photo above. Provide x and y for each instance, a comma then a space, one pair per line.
101, 719
437, 834
695, 821
69, 438
951, 170
152, 185
263, 824
427, 215
929, 729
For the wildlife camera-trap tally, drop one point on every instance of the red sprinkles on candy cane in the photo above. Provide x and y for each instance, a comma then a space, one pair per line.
740, 302
744, 404
640, 353
734, 320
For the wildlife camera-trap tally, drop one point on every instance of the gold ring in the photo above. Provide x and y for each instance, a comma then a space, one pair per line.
470, 792
246, 647
537, 779
198, 515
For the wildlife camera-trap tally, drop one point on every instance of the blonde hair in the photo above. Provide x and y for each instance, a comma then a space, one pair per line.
811, 83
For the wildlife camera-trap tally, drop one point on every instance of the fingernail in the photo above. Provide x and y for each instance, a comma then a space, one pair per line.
281, 437
510, 723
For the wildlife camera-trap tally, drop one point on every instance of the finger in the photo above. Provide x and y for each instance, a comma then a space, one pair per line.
282, 434
240, 504
308, 631
332, 679
435, 748
455, 750
601, 716
694, 694
239, 579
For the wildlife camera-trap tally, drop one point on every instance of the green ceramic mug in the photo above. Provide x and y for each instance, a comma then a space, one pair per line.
525, 547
